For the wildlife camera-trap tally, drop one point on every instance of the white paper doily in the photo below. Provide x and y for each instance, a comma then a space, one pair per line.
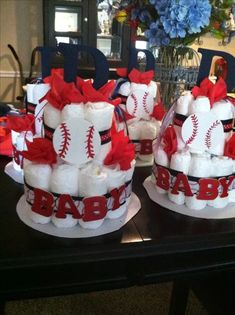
206, 213
14, 174
108, 226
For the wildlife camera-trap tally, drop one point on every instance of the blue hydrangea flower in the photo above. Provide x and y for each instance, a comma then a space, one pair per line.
157, 35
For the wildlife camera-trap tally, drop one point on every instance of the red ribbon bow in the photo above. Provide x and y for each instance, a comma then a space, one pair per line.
102, 95
136, 76
215, 92
169, 141
61, 92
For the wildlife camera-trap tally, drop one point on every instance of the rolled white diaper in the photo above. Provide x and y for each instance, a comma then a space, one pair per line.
72, 110
194, 203
200, 105
125, 89
100, 114
180, 161
51, 116
178, 199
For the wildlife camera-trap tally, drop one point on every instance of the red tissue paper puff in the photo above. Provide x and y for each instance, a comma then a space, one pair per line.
21, 123
158, 111
5, 138
40, 151
122, 151
169, 141
215, 92
61, 92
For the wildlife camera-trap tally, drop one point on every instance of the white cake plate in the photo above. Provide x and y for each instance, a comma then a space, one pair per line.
14, 174
108, 226
206, 213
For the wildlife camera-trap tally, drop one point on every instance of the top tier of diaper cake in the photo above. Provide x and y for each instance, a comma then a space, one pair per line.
140, 111
194, 157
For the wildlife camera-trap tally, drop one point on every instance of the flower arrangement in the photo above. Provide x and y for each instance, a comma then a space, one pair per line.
178, 22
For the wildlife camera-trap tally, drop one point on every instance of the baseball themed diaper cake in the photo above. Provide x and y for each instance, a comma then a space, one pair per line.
79, 173
194, 167
140, 112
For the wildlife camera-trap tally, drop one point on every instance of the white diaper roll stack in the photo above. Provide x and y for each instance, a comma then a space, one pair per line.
30, 88
148, 131
38, 176
115, 179
73, 110
93, 183
51, 116
64, 180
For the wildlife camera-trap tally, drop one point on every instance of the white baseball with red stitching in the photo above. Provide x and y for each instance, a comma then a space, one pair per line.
76, 141
202, 132
140, 103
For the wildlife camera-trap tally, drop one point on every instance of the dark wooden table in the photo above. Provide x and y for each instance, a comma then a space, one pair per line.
156, 245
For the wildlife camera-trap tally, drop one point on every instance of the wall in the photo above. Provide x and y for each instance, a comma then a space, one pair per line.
21, 26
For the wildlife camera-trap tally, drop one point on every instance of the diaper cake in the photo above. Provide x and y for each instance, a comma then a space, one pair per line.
78, 170
140, 112
194, 168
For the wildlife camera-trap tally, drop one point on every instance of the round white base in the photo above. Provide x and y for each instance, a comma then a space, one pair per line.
13, 173
205, 213
109, 225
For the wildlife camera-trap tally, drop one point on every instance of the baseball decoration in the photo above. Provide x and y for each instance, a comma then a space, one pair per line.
140, 103
202, 132
76, 141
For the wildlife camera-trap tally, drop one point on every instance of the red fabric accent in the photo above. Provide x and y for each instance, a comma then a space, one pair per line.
169, 141
221, 63
225, 184
137, 76
92, 95
67, 206
215, 92
61, 92
116, 194
163, 178
208, 189
6, 146
146, 146
21, 123
122, 151
41, 150
43, 202
158, 111
181, 184
107, 88
95, 208
122, 72
229, 148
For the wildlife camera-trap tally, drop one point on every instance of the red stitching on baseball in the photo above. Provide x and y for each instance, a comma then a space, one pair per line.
66, 140
195, 129
145, 103
89, 147
209, 132
135, 104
